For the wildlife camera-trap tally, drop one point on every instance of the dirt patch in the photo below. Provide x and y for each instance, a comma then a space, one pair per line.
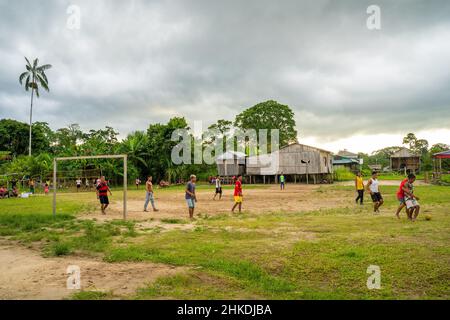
24, 274
171, 205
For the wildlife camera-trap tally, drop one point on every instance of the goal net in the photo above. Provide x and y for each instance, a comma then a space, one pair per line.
86, 177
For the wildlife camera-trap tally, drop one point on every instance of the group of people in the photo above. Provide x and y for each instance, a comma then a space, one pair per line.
9, 192
405, 194
191, 196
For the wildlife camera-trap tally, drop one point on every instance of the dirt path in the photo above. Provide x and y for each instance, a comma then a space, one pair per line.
262, 200
24, 274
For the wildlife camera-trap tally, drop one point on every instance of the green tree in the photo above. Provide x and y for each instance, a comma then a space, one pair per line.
159, 146
135, 146
410, 140
11, 137
269, 115
34, 77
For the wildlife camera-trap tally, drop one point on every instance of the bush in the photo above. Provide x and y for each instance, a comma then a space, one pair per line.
343, 174
445, 178
60, 249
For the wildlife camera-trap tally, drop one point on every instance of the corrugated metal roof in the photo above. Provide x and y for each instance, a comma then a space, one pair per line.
444, 154
345, 161
404, 153
301, 144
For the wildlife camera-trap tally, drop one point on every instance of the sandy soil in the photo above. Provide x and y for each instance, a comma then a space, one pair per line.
24, 274
172, 205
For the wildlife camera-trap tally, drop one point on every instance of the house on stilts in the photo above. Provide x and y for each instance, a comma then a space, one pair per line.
297, 162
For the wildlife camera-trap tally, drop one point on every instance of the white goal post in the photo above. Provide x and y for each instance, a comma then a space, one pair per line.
125, 182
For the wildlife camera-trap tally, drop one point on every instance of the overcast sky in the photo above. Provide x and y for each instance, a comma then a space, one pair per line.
133, 63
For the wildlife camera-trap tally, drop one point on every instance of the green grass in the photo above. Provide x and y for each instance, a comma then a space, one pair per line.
321, 254
91, 295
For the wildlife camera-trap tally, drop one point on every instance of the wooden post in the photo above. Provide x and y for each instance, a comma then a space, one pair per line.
125, 186
54, 187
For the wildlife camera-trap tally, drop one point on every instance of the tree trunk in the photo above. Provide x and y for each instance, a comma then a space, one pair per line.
31, 119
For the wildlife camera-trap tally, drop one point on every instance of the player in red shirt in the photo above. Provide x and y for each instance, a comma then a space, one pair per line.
401, 193
102, 194
238, 198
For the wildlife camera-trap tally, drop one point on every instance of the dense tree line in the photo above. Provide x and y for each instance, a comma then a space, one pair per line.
149, 151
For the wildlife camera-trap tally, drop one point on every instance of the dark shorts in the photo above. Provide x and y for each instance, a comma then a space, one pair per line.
376, 197
103, 199
219, 190
78, 185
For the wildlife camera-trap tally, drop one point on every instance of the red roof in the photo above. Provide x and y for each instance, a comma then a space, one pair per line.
442, 155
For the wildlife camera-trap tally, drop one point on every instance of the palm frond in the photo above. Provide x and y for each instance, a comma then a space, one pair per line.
28, 62
22, 76
44, 67
42, 82
37, 91
27, 83
44, 76
35, 63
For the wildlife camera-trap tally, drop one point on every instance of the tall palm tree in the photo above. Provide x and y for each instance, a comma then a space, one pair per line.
34, 77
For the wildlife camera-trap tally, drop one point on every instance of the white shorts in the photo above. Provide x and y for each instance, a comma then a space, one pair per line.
411, 203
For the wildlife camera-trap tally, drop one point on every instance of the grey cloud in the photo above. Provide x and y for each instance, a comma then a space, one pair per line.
139, 62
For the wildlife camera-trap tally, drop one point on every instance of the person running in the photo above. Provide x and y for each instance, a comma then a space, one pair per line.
78, 182
102, 194
238, 197
359, 186
401, 194
411, 201
373, 186
138, 183
218, 188
149, 197
87, 186
282, 181
190, 196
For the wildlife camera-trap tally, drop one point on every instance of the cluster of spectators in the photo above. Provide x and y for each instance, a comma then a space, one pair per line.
5, 193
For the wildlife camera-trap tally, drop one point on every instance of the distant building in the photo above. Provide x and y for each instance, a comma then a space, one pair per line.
347, 159
405, 160
297, 162
375, 167
231, 163
347, 154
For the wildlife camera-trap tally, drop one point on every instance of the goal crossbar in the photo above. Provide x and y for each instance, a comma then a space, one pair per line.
125, 182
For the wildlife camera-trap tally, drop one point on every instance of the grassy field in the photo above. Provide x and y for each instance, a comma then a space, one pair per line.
318, 254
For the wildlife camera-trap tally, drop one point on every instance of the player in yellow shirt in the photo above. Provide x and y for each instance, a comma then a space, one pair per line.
359, 185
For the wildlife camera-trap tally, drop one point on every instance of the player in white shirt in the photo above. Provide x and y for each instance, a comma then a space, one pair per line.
373, 186
78, 182
218, 188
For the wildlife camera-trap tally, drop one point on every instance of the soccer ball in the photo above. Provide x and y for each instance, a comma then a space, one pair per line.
428, 217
